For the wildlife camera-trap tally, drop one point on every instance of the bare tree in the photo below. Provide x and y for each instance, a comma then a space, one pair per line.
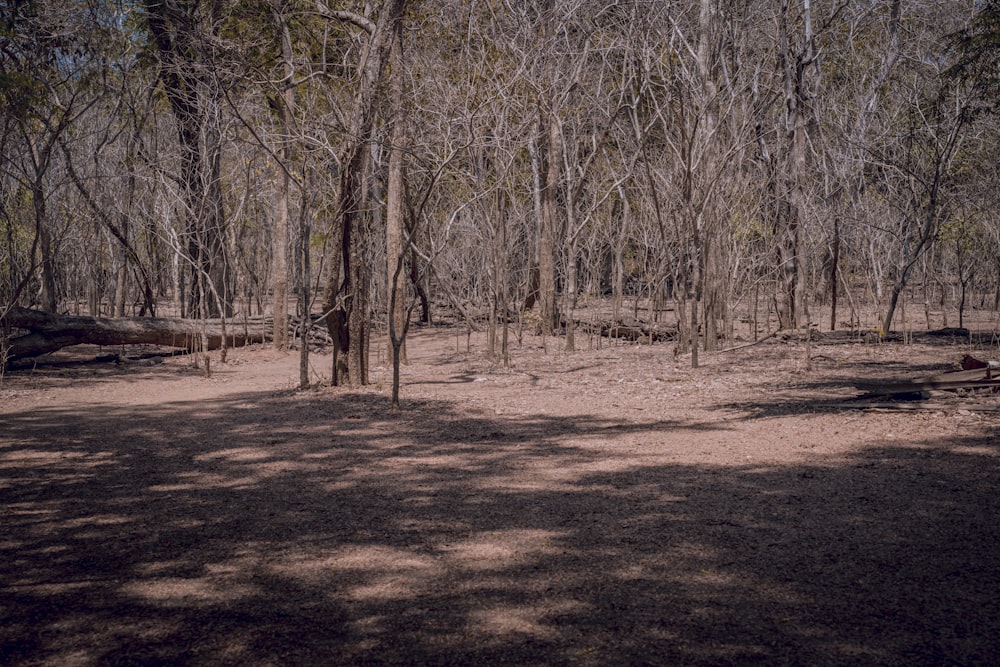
347, 297
51, 54
184, 37
284, 101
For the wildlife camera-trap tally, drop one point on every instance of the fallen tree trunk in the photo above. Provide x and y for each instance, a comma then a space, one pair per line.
635, 331
48, 332
976, 378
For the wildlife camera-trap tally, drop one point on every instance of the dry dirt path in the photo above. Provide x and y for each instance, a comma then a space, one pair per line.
607, 507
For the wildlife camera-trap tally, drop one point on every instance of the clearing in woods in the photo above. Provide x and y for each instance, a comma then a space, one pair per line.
610, 506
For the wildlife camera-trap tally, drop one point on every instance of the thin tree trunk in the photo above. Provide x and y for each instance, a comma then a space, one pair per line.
548, 310
571, 291
835, 263
48, 294
279, 249
395, 192
305, 232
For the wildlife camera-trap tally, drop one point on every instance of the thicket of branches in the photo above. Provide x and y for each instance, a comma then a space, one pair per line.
235, 158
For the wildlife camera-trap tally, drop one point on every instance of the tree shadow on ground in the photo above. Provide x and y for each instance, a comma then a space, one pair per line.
53, 372
319, 529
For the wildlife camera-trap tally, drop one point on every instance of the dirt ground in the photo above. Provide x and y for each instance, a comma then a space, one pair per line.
607, 507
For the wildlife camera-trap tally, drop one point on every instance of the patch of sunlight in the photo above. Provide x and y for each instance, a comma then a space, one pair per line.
199, 481
712, 577
460, 461
568, 478
505, 620
364, 558
339, 485
28, 510
64, 641
238, 454
72, 658
370, 623
608, 465
526, 482
230, 568
542, 474
496, 550
49, 550
154, 568
19, 457
560, 471
972, 450
177, 591
46, 590
322, 455
96, 520
386, 588
389, 573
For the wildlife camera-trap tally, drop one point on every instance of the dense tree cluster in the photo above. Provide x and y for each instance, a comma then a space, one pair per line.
233, 158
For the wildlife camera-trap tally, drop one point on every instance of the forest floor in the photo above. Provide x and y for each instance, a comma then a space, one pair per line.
608, 507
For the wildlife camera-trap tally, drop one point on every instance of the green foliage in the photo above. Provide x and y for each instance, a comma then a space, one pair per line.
17, 234
978, 50
251, 34
962, 233
19, 93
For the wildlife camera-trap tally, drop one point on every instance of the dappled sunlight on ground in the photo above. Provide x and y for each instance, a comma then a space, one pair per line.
266, 527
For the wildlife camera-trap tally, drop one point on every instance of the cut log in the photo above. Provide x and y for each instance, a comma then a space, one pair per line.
49, 333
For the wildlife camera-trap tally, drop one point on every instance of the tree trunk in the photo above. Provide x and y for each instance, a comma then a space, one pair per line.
49, 333
531, 289
796, 67
181, 41
571, 290
395, 191
279, 260
279, 240
417, 280
834, 265
48, 295
547, 309
348, 323
305, 233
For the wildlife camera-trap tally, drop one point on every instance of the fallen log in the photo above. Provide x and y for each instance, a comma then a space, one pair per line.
953, 332
48, 332
962, 409
631, 331
977, 378
799, 335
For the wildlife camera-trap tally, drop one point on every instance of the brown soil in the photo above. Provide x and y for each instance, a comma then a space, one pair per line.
609, 507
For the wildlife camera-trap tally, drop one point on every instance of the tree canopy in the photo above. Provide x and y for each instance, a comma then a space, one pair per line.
248, 158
